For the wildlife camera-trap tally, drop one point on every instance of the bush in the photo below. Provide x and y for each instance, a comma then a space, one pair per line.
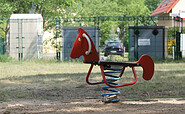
5, 58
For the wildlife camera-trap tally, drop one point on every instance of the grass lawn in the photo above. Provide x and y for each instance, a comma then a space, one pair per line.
50, 80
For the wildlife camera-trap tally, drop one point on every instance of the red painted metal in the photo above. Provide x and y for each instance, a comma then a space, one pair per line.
101, 67
148, 66
80, 47
88, 75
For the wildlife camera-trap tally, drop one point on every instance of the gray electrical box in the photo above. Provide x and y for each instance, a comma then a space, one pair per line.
26, 32
69, 35
150, 40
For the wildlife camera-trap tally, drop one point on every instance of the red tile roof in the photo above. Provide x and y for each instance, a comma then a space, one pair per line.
165, 7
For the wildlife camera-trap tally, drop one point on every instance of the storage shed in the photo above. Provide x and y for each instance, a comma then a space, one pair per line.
26, 33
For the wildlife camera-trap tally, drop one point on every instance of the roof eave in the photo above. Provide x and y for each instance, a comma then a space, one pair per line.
167, 11
158, 14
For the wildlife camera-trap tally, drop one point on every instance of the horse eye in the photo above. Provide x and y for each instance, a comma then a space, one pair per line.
79, 39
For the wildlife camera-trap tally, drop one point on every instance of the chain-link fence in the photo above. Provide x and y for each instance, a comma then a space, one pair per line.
159, 37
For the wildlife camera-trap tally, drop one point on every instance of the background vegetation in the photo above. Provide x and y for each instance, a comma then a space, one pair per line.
77, 8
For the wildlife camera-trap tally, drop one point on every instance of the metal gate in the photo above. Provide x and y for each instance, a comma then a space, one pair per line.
176, 41
108, 26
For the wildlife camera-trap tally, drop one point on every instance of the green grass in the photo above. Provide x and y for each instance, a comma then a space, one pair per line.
52, 80
168, 81
5, 58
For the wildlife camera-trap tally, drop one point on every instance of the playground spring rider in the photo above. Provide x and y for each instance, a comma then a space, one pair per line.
83, 46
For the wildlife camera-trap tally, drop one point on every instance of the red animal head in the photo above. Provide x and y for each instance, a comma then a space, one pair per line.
84, 46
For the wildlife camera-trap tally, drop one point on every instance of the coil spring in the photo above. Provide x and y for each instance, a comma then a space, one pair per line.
111, 97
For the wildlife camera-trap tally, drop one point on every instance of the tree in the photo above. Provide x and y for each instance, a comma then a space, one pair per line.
95, 8
137, 8
152, 4
5, 11
47, 8
79, 8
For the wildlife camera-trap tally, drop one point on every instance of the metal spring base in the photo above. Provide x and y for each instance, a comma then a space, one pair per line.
111, 97
108, 74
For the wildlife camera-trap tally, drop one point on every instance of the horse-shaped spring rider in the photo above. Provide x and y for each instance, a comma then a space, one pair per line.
83, 46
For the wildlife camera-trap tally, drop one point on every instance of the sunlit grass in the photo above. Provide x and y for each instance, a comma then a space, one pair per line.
52, 80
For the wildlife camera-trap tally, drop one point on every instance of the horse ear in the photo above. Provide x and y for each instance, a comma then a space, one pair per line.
80, 31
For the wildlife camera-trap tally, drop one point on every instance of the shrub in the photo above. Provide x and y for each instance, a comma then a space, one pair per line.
5, 58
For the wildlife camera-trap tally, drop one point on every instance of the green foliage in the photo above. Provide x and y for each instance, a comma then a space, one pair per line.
152, 4
92, 8
137, 8
3, 28
95, 8
5, 9
105, 31
5, 58
172, 31
59, 9
89, 8
48, 9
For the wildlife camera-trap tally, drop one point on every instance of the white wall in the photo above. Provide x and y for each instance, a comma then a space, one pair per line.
179, 6
182, 46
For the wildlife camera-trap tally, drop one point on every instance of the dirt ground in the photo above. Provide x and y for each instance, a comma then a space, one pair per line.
95, 106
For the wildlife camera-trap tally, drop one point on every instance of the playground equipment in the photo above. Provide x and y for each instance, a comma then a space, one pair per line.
83, 46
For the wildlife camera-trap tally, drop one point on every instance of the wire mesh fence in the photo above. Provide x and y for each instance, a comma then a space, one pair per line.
160, 37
